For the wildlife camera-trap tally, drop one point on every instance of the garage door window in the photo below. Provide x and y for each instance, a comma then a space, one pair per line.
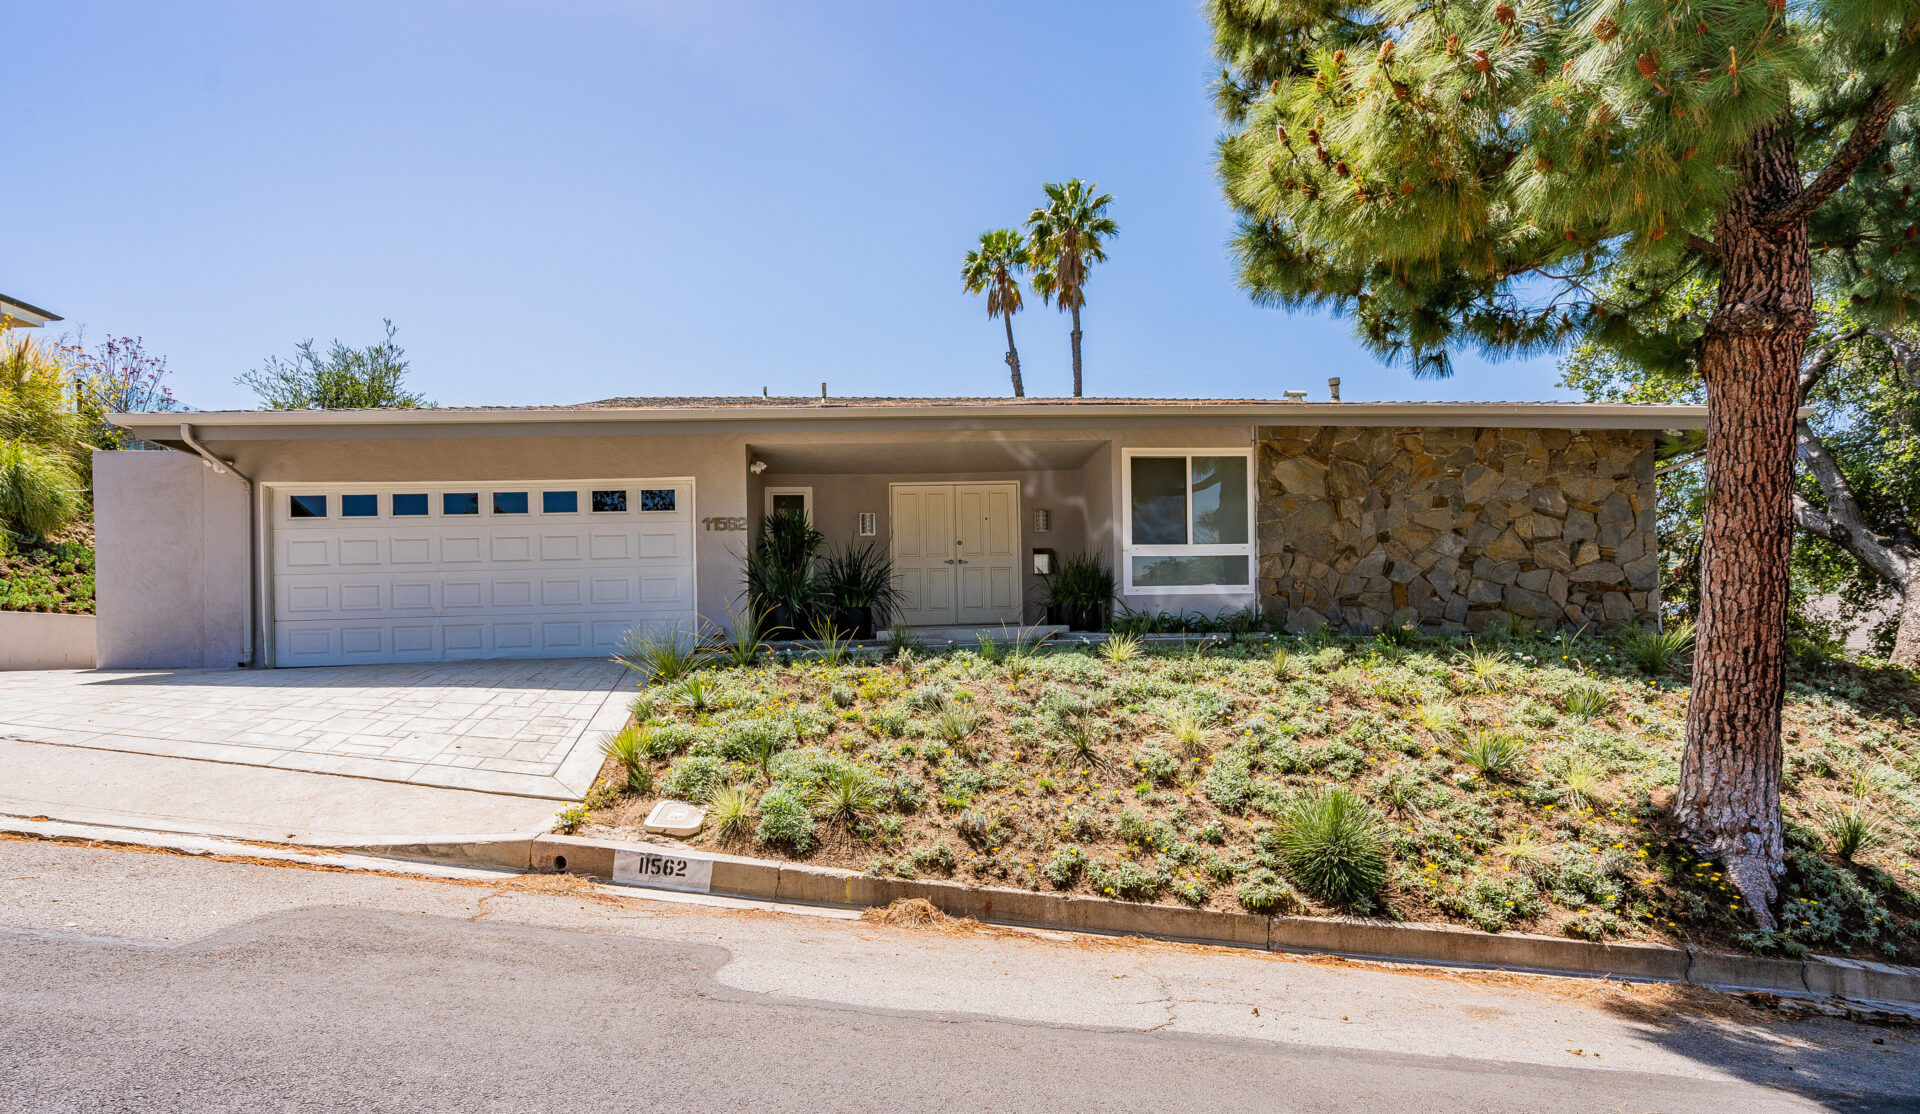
359, 506
460, 502
560, 502
609, 501
307, 506
509, 502
656, 499
410, 506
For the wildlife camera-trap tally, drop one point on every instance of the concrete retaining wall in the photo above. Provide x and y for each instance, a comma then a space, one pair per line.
36, 640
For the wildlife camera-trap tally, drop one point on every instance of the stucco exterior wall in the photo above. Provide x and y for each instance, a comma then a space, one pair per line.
1456, 527
170, 566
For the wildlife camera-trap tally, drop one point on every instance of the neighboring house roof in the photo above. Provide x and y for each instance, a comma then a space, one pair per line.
978, 413
19, 314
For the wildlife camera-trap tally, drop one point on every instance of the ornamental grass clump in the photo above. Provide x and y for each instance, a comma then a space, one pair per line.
628, 748
851, 795
1330, 844
1492, 754
661, 658
1851, 831
1656, 651
1120, 648
1588, 701
731, 810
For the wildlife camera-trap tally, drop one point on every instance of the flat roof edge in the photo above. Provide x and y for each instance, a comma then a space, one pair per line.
1553, 415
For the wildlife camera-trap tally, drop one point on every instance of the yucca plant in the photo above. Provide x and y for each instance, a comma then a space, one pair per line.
731, 810
831, 643
1120, 648
1524, 850
955, 723
748, 638
1495, 754
1588, 700
1285, 667
627, 748
1485, 668
1331, 844
695, 694
39, 493
1850, 831
1655, 651
1439, 719
660, 657
850, 795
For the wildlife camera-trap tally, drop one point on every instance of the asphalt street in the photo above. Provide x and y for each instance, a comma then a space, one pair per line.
132, 981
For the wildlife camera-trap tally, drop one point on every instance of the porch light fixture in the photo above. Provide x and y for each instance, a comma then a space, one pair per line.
757, 467
869, 524
1042, 520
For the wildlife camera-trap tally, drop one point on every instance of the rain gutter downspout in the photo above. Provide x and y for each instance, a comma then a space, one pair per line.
220, 466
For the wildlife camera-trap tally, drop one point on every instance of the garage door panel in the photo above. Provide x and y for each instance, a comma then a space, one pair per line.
436, 587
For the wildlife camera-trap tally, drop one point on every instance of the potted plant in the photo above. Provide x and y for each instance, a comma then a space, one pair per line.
783, 574
857, 584
1079, 592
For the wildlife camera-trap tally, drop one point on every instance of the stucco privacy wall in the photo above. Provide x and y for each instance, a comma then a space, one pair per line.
170, 571
1457, 527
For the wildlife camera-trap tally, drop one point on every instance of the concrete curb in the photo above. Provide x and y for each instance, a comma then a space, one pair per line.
1441, 944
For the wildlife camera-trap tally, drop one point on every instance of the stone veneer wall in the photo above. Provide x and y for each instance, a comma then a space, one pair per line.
1456, 527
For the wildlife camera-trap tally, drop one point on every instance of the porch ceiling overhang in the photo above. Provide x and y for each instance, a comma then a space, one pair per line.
924, 457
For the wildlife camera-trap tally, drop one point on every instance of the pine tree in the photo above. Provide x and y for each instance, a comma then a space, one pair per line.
1486, 174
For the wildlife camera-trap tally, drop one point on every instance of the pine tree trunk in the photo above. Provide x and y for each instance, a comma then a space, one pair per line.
1076, 349
1729, 801
1906, 638
1013, 358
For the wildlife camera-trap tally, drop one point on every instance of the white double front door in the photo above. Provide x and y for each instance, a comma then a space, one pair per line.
956, 553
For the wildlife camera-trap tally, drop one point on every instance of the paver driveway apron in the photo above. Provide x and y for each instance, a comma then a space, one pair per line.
522, 727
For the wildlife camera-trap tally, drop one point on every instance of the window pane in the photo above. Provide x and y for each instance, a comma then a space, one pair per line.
307, 506
560, 502
359, 506
1159, 500
1190, 572
460, 502
609, 500
1219, 500
656, 499
509, 502
794, 503
406, 506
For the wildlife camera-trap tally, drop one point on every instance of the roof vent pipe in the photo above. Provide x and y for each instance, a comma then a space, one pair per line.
1295, 396
823, 392
1333, 388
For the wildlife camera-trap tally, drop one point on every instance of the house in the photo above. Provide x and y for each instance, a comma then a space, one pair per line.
16, 314
309, 537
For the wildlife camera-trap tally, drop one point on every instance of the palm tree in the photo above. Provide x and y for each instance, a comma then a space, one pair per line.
995, 267
1066, 236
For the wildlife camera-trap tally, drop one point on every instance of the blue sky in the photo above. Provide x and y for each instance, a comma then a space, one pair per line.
563, 201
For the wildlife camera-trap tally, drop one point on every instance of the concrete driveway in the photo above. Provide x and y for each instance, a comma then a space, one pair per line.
529, 728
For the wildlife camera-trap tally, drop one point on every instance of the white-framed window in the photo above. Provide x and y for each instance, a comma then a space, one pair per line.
1187, 521
791, 500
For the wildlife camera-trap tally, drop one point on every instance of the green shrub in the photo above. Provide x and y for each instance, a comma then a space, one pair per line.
909, 793
955, 724
890, 722
1127, 880
1229, 782
1492, 902
932, 856
1190, 890
39, 492
1065, 868
694, 778
1159, 766
1331, 846
785, 818
1267, 892
1851, 831
1588, 700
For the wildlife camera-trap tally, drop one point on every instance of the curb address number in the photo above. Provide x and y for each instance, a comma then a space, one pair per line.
663, 871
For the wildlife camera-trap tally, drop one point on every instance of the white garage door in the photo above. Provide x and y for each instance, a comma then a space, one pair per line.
449, 572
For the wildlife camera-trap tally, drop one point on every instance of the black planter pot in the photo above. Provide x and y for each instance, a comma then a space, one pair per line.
1087, 616
1059, 615
781, 623
854, 622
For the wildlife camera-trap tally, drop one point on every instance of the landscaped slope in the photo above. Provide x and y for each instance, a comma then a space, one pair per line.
1509, 783
47, 576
